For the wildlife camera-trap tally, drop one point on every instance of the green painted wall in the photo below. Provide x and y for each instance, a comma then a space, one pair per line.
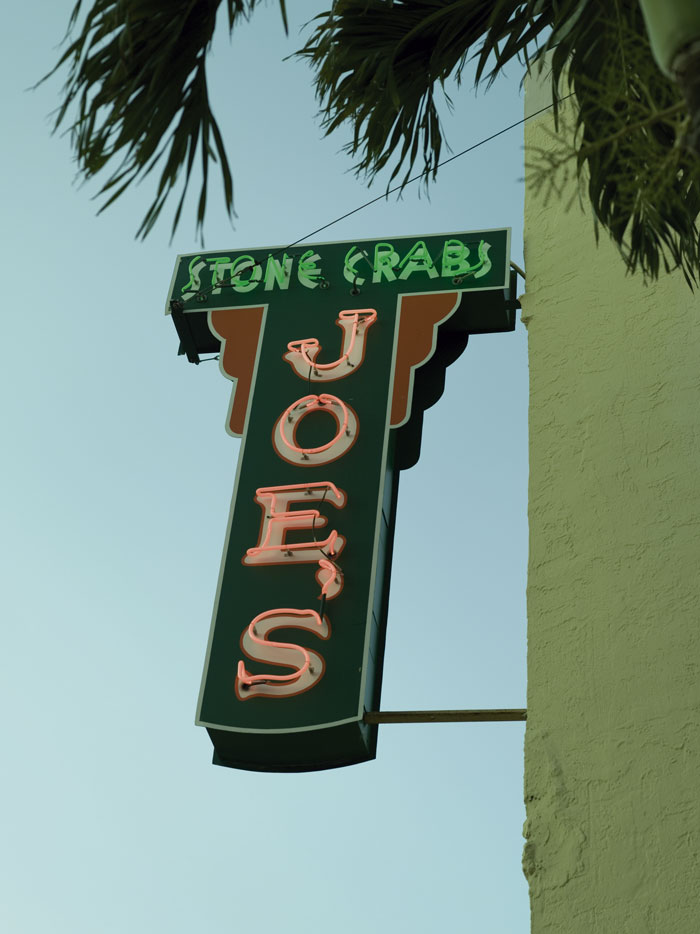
612, 751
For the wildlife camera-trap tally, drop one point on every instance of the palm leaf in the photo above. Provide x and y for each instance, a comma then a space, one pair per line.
643, 181
379, 64
137, 81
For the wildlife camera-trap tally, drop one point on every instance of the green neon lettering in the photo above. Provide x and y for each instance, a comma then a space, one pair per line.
243, 264
194, 269
349, 263
308, 272
279, 272
385, 260
214, 263
484, 260
417, 259
455, 259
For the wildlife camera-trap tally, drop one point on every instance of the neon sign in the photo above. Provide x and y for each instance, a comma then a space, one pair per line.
327, 421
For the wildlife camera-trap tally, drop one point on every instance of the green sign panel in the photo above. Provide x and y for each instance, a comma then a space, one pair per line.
334, 350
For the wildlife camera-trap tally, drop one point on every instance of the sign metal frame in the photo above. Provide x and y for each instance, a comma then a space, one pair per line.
419, 331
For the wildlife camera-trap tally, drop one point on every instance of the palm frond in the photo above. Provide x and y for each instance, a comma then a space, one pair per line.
380, 64
137, 78
138, 81
643, 182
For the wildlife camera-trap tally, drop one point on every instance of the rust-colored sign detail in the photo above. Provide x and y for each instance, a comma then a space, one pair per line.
420, 316
239, 330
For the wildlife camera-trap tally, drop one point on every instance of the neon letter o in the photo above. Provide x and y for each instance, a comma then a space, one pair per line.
283, 435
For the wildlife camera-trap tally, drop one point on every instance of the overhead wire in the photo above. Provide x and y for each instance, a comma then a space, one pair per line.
200, 294
417, 178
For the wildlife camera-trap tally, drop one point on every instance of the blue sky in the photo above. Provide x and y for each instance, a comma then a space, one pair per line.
117, 480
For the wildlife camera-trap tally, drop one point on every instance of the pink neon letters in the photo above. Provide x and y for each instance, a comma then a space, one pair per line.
302, 354
278, 519
286, 425
308, 665
329, 579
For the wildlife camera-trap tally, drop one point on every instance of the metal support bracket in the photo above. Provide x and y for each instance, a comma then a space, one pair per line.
444, 716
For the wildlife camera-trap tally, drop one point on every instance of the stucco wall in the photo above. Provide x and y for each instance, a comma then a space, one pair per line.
612, 751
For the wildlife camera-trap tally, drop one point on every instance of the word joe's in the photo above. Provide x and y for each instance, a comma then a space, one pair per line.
279, 519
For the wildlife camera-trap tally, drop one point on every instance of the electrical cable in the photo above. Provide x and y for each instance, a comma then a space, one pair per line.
416, 178
391, 191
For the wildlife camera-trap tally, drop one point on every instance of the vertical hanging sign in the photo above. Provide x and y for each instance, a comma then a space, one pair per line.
334, 351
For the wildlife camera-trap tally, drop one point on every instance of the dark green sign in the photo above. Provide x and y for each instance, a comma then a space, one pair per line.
335, 350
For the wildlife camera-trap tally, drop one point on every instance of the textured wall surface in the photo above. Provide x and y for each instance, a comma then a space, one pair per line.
612, 757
